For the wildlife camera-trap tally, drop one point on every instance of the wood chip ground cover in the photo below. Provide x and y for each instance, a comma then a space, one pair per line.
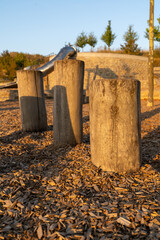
57, 193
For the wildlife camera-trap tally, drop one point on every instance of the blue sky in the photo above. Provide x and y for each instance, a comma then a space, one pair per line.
44, 26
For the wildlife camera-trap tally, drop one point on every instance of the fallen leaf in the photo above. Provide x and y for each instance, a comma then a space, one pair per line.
96, 188
124, 222
57, 179
39, 232
52, 183
7, 204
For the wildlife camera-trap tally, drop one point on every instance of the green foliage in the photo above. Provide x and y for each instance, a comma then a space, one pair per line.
10, 62
20, 60
156, 32
8, 66
81, 40
130, 46
92, 40
108, 37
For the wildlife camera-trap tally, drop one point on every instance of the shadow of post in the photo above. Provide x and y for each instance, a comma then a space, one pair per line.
105, 73
149, 114
67, 128
151, 149
33, 113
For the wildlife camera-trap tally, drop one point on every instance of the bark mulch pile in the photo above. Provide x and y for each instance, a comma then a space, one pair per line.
57, 193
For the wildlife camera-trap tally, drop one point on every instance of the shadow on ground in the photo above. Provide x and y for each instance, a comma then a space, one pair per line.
149, 114
151, 149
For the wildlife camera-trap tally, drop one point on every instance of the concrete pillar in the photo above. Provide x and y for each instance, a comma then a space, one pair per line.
68, 94
115, 131
32, 102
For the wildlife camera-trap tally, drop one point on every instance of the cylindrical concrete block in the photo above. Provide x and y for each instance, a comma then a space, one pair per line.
115, 131
32, 102
67, 108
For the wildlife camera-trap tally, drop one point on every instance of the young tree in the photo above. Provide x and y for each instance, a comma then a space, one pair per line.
92, 40
9, 65
156, 31
20, 60
108, 37
81, 40
130, 46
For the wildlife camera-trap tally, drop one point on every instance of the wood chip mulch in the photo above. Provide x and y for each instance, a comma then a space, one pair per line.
57, 193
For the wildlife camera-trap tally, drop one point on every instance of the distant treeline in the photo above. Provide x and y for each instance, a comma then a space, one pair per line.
10, 62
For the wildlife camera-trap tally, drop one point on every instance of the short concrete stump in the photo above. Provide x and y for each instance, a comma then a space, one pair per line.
115, 131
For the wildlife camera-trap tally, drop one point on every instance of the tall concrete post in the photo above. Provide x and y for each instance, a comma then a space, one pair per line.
115, 131
32, 102
68, 94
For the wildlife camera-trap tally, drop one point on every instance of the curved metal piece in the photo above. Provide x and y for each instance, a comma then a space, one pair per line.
67, 51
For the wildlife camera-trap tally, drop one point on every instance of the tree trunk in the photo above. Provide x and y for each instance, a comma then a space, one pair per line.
151, 49
115, 132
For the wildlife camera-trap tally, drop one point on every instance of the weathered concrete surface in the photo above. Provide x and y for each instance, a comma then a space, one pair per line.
115, 124
67, 109
114, 66
32, 103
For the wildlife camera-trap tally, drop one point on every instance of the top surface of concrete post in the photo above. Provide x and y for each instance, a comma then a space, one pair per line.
68, 94
32, 102
115, 124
